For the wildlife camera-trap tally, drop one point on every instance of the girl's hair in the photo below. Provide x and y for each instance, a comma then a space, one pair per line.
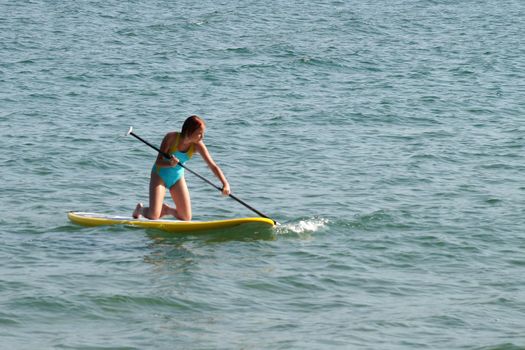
191, 124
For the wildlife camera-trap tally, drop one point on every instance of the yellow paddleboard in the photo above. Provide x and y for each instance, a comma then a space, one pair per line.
93, 219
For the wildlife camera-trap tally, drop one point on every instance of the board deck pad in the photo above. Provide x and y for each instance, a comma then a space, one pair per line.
96, 219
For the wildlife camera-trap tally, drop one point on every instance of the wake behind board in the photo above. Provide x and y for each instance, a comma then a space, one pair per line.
94, 219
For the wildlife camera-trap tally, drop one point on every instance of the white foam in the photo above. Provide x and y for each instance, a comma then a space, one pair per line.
304, 226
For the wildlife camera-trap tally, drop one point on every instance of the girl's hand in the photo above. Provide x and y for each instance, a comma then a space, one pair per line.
226, 189
174, 161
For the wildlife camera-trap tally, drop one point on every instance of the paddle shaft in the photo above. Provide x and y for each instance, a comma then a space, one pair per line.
166, 155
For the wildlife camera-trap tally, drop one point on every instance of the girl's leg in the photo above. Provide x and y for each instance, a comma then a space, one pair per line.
181, 197
157, 192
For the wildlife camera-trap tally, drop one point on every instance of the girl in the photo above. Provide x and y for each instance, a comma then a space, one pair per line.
168, 174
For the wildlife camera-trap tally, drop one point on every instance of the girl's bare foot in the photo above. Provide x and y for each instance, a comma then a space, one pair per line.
167, 210
138, 210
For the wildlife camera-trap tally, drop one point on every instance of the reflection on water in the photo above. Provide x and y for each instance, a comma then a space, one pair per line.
172, 255
179, 252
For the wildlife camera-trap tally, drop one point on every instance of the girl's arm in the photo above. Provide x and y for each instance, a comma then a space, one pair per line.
203, 151
165, 147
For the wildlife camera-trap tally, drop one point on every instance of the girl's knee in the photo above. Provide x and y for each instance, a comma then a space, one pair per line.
184, 216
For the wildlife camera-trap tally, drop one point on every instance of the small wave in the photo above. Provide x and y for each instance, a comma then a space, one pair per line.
505, 346
303, 226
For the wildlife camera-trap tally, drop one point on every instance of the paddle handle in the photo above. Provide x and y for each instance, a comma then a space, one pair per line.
166, 155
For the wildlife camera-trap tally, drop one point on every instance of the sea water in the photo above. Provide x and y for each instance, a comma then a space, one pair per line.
387, 138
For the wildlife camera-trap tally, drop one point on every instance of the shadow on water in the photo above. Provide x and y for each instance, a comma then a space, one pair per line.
172, 255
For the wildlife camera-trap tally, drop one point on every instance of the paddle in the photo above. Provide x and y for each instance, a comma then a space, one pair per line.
130, 132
